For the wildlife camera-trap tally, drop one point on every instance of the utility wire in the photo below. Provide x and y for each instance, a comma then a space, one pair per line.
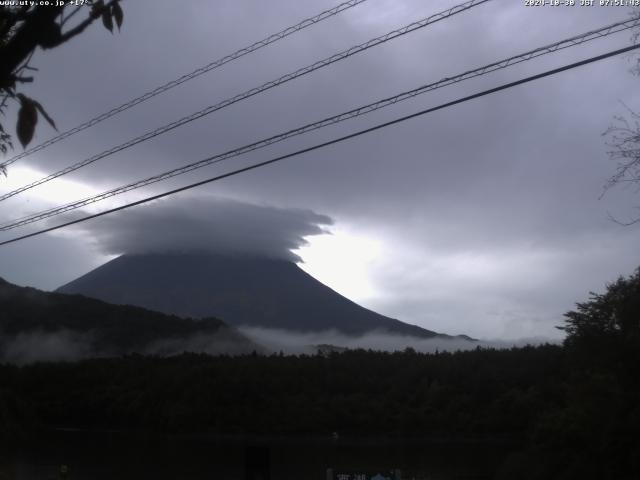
189, 76
566, 43
254, 91
332, 142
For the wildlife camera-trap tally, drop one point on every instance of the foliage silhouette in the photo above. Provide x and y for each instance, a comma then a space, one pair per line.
26, 26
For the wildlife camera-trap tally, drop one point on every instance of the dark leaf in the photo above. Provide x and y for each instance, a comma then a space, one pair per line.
107, 21
45, 114
118, 14
96, 8
27, 120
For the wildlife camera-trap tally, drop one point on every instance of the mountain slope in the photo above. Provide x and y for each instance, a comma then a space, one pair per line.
32, 321
240, 290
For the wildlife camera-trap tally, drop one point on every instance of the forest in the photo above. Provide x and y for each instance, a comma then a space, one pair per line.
573, 410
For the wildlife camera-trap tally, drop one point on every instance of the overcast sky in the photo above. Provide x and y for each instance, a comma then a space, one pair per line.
482, 219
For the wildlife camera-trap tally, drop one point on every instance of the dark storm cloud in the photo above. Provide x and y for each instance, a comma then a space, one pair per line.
207, 224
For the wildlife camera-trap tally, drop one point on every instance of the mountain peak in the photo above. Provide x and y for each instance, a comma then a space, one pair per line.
241, 290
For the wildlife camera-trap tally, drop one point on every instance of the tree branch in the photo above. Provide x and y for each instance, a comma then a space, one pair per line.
27, 38
70, 16
78, 29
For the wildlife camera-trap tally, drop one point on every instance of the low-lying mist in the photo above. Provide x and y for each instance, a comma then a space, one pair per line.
68, 345
40, 346
296, 343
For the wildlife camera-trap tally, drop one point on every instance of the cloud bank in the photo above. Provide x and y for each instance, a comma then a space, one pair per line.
207, 224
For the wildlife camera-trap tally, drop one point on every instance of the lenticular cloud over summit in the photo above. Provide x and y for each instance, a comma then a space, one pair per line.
208, 225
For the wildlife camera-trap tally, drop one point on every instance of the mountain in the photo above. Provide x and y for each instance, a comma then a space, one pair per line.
247, 291
36, 325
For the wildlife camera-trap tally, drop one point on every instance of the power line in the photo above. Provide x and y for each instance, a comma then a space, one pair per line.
254, 91
510, 61
332, 142
189, 76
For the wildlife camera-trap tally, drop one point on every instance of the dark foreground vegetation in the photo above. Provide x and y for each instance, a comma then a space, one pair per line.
573, 410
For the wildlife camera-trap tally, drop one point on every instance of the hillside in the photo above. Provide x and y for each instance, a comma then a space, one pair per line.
41, 325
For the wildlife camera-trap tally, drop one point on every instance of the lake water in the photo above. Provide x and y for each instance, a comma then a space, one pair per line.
132, 456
